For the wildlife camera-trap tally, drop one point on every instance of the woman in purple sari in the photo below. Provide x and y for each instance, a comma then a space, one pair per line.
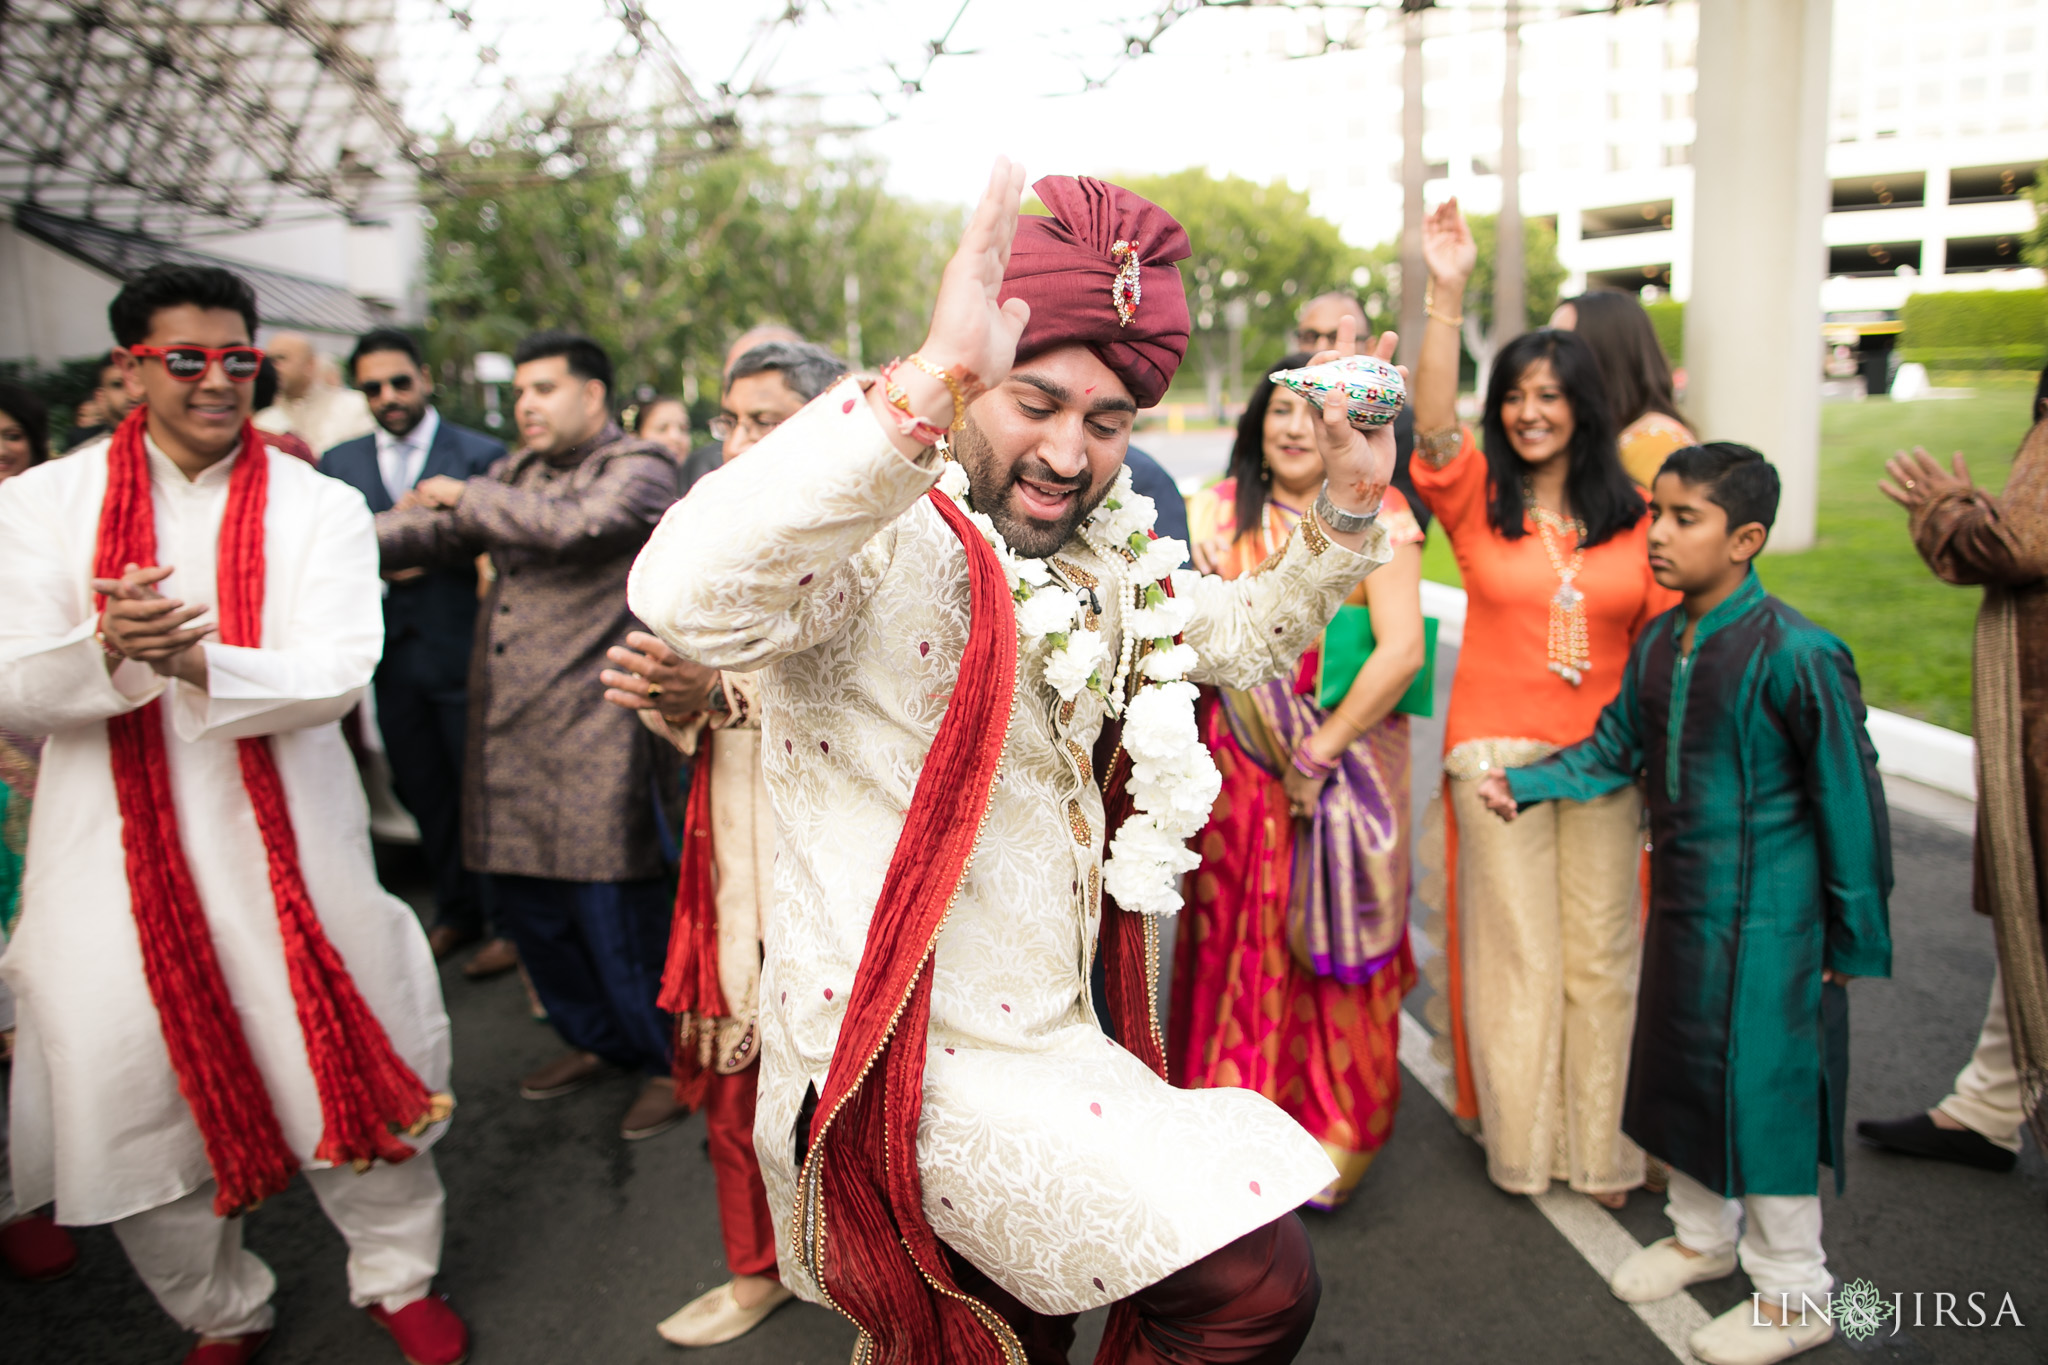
1293, 953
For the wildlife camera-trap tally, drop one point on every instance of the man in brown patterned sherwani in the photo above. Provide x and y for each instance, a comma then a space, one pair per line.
559, 790
1968, 536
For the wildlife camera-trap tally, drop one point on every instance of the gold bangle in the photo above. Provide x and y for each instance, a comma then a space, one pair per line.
1429, 307
956, 385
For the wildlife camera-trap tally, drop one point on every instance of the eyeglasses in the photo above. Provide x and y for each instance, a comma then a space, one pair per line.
1312, 340
400, 383
725, 424
189, 364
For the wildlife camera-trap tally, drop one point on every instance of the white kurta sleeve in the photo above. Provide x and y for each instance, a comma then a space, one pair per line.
774, 553
53, 673
1255, 628
328, 637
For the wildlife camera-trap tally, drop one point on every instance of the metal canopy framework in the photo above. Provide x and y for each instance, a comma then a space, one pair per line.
169, 119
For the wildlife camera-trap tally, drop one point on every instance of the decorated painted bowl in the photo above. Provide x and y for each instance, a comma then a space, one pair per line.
1372, 389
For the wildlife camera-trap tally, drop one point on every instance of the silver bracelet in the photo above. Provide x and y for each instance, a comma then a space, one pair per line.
1343, 523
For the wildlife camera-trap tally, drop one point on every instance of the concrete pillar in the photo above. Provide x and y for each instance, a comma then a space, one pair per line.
1934, 247
1414, 274
1752, 323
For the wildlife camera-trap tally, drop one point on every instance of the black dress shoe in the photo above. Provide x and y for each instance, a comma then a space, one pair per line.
1919, 1135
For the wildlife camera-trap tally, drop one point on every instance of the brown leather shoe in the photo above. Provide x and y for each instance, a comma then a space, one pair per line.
565, 1075
495, 957
655, 1111
444, 939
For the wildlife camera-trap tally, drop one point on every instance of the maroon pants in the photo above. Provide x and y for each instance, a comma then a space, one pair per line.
742, 1199
1251, 1303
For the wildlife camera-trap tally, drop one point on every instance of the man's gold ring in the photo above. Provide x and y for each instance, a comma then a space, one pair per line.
1910, 483
654, 689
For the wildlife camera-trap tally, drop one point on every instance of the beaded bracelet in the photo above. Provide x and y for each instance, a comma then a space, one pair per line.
1308, 765
919, 429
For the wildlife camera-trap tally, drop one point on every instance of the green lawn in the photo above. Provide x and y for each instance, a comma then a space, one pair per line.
1910, 632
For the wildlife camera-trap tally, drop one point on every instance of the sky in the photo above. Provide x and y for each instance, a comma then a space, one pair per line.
1019, 86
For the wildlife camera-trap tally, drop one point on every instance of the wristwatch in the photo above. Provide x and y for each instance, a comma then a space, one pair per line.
1343, 523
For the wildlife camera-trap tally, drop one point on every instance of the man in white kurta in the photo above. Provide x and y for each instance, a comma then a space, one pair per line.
98, 1122
1052, 1160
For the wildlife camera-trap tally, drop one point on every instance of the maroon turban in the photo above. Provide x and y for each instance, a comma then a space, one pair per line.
1099, 273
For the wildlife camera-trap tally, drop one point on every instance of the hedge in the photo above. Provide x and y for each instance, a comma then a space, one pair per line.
1668, 317
1978, 329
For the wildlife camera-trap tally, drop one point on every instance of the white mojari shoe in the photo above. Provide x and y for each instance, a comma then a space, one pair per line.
1734, 1338
1660, 1270
715, 1317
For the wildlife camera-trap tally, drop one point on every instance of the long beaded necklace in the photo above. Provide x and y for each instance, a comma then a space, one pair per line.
1569, 653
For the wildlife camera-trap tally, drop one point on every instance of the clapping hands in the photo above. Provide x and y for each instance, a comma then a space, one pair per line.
140, 623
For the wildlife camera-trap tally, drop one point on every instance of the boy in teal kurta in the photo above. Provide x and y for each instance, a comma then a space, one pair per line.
1769, 872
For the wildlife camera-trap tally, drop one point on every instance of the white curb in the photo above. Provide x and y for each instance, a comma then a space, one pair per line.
1908, 748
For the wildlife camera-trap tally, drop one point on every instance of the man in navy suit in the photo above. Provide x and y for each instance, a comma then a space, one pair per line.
429, 623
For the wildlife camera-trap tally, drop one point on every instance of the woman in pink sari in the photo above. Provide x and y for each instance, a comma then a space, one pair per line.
1293, 952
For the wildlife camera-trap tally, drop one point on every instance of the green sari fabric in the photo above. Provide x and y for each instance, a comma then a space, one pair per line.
1771, 860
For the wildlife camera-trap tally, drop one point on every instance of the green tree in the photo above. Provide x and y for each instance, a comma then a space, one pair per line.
662, 247
1258, 249
1542, 273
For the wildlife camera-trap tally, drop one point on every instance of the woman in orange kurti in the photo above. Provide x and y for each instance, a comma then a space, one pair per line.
1551, 538
1293, 955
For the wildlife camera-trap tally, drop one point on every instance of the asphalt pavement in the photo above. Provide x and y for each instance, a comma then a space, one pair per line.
566, 1244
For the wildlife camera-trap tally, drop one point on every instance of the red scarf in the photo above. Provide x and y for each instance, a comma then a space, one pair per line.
689, 979
367, 1093
860, 1207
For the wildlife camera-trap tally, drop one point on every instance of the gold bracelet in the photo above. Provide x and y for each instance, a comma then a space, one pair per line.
1429, 307
957, 385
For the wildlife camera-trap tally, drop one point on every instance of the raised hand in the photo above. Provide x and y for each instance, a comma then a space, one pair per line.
1358, 464
970, 327
1918, 478
1448, 249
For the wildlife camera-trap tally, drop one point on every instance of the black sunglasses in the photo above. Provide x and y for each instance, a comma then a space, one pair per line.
400, 383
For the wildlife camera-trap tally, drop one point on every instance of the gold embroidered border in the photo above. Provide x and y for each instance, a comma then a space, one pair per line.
1078, 823
1080, 576
1312, 534
1475, 758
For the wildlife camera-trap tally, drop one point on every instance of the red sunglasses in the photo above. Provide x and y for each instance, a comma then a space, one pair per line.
189, 364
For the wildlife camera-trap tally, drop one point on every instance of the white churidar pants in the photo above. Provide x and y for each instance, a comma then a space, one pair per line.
1987, 1095
195, 1264
1780, 1248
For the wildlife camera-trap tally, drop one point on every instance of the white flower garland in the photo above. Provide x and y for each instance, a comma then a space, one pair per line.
1174, 782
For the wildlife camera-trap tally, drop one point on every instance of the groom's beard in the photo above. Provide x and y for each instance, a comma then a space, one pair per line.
994, 492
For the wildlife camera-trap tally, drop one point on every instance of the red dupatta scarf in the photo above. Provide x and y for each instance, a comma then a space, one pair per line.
860, 1225
367, 1093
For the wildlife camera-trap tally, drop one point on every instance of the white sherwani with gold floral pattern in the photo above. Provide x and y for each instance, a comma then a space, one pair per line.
1051, 1158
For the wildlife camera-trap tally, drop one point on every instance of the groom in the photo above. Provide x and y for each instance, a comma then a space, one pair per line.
957, 1157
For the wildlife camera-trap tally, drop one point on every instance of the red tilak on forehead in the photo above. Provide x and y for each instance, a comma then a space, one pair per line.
1089, 389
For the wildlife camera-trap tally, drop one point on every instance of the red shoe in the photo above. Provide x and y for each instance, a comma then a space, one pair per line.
234, 1351
36, 1249
426, 1330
